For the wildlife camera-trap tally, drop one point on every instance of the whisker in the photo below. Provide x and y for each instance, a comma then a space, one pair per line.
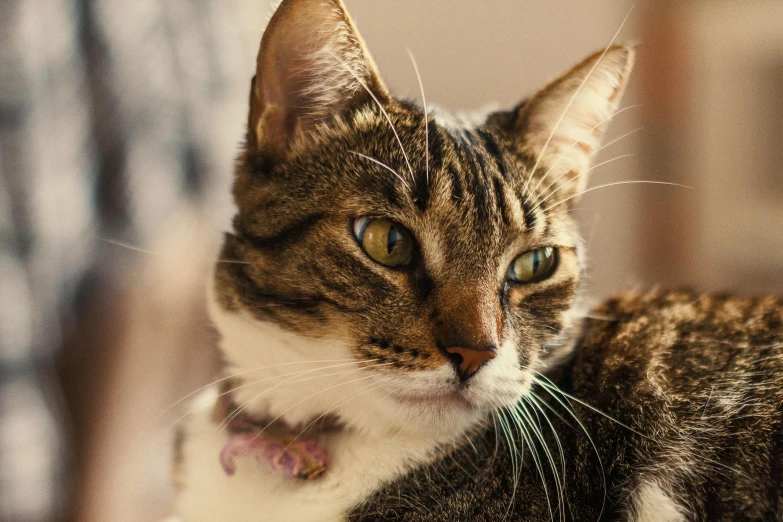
244, 372
516, 458
291, 375
471, 444
378, 103
566, 211
380, 163
513, 454
573, 99
140, 250
522, 410
571, 148
544, 403
562, 475
552, 386
497, 442
300, 402
667, 183
373, 386
618, 139
571, 180
223, 425
426, 118
230, 417
522, 430
567, 407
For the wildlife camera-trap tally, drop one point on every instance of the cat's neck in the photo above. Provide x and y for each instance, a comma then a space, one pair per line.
360, 463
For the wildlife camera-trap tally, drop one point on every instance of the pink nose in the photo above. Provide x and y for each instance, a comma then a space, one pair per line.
468, 361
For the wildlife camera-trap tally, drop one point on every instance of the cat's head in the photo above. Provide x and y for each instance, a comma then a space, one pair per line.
436, 253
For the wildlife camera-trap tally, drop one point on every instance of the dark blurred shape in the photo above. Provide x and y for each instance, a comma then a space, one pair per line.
105, 132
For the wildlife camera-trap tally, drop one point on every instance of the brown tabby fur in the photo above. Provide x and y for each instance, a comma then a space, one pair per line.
689, 388
685, 391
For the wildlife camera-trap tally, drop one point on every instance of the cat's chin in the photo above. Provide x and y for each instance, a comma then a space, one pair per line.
447, 414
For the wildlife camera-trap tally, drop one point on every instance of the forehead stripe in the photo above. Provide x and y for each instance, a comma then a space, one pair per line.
493, 150
289, 234
530, 215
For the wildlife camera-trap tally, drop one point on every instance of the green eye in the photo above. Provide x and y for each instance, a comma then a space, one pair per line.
385, 241
533, 265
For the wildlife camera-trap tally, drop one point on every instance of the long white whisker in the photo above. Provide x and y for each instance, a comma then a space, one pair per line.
381, 164
364, 390
548, 196
545, 404
559, 476
260, 368
573, 99
552, 386
513, 454
627, 134
522, 430
573, 145
140, 250
291, 376
239, 410
378, 103
426, 117
300, 402
619, 138
521, 410
547, 209
566, 406
224, 424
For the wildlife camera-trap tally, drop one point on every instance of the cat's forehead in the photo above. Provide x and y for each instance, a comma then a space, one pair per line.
454, 180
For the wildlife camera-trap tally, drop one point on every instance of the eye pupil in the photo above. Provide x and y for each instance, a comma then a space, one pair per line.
391, 240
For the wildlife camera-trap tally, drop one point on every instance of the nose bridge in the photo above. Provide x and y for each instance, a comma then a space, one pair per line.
468, 317
468, 327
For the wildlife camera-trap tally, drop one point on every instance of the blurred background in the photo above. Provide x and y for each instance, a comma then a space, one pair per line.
119, 123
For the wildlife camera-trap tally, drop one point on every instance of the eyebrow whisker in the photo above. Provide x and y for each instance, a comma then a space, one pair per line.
383, 165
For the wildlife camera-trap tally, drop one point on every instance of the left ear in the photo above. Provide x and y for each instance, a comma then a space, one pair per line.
562, 125
312, 64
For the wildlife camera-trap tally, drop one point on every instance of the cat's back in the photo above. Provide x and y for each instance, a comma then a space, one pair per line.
697, 382
684, 339
681, 396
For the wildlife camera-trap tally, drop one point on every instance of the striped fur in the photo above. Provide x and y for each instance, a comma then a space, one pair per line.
683, 420
328, 144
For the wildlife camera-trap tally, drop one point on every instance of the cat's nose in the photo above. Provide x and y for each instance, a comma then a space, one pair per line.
467, 361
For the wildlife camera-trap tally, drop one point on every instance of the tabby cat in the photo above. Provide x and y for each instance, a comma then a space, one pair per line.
398, 311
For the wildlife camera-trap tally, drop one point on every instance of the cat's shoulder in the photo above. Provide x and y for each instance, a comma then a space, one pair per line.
679, 339
659, 318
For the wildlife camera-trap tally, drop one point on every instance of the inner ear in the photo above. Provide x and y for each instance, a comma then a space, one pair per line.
562, 126
312, 65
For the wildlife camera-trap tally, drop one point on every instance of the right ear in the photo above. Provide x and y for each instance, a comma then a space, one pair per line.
312, 65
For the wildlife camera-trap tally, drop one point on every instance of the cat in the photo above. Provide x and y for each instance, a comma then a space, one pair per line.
400, 318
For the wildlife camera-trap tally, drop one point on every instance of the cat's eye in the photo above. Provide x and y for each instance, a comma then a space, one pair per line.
533, 265
385, 241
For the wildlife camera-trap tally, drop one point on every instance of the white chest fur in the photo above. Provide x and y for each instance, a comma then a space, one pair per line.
359, 464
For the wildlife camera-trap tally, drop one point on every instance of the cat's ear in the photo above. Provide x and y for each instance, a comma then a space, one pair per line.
562, 125
312, 64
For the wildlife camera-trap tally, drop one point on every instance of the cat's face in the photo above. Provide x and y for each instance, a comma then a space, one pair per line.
437, 254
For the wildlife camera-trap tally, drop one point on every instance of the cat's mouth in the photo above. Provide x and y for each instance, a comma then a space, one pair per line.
453, 398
